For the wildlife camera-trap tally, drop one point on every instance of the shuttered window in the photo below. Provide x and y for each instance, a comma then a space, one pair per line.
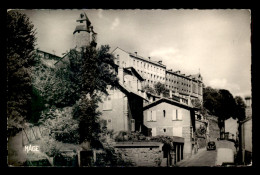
179, 114
151, 115
174, 114
154, 115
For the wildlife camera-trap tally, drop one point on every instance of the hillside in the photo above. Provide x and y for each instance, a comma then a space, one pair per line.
213, 127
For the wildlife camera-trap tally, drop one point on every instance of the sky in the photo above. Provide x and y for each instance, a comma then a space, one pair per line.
215, 43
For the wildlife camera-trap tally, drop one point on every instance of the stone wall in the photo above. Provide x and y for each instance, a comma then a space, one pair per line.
187, 150
149, 154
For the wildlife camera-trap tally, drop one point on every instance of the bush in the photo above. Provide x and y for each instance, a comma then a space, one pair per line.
129, 136
62, 126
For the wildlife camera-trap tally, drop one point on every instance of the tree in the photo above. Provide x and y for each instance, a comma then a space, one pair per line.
20, 58
210, 99
53, 84
149, 89
226, 105
240, 108
161, 89
91, 71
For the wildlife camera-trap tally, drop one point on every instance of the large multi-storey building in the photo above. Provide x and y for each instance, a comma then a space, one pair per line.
153, 72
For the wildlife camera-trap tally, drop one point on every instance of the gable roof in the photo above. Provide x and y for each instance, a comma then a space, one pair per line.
140, 57
133, 70
128, 91
166, 100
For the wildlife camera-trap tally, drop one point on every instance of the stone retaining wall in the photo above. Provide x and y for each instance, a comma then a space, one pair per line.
148, 154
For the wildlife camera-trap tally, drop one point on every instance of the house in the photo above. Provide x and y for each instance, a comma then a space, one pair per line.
231, 129
122, 108
246, 134
172, 118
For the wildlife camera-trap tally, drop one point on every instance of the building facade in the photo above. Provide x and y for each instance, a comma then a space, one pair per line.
246, 134
190, 86
171, 118
122, 109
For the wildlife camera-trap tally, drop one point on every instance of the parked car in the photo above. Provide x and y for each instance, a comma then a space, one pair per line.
225, 157
211, 146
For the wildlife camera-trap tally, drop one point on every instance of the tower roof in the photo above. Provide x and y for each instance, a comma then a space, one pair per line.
80, 28
83, 17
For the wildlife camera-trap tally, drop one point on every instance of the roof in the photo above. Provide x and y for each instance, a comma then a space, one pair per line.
83, 17
135, 73
140, 57
80, 28
128, 91
40, 50
166, 100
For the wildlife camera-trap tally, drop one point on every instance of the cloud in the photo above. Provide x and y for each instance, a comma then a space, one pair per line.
222, 83
174, 59
115, 23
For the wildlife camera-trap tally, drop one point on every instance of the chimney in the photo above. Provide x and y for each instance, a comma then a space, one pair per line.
170, 93
135, 53
121, 75
149, 58
160, 62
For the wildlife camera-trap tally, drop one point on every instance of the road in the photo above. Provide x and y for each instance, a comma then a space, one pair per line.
205, 158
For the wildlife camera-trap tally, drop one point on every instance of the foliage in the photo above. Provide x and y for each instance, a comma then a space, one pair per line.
201, 131
110, 157
226, 105
91, 71
167, 140
149, 89
53, 84
158, 89
114, 159
20, 58
210, 99
161, 89
62, 126
240, 108
88, 116
220, 102
129, 136
196, 103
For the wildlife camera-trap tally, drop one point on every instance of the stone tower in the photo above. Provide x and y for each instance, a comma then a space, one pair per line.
84, 34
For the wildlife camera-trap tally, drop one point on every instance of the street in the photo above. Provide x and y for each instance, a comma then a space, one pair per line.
204, 157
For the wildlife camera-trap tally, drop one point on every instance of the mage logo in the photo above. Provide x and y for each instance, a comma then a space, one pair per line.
31, 148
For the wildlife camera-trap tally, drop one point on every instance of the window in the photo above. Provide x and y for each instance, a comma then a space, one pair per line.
179, 114
174, 114
164, 130
151, 115
164, 113
107, 103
